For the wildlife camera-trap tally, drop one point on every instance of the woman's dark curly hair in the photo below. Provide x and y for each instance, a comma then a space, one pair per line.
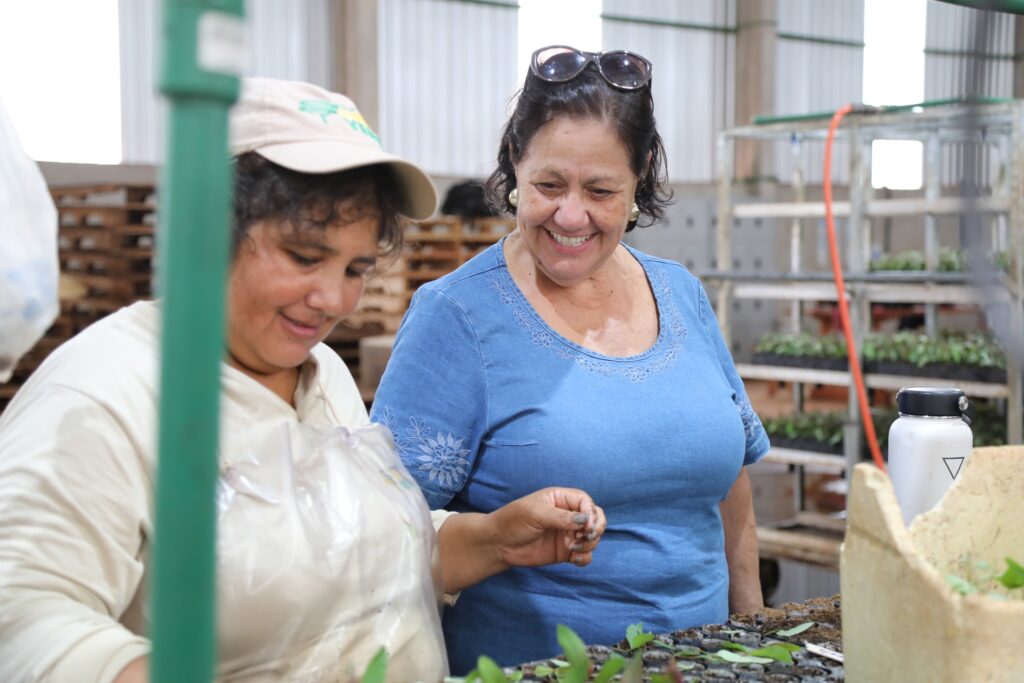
587, 96
266, 191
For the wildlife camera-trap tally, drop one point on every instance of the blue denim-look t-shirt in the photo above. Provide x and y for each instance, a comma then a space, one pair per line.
487, 403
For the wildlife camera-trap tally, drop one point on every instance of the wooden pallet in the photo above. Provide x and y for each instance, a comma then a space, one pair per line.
436, 247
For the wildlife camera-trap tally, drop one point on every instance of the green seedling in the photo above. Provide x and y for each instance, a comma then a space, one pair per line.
1013, 577
779, 652
489, 671
613, 665
576, 654
634, 672
543, 670
981, 574
961, 586
742, 658
637, 637
377, 669
795, 631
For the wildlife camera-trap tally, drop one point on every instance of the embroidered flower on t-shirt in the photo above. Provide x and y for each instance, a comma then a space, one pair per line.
433, 451
444, 459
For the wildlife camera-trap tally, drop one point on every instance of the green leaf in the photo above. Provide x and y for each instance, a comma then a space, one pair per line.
1013, 577
791, 647
688, 651
961, 586
612, 666
515, 677
576, 652
739, 658
573, 646
543, 670
776, 652
796, 630
471, 677
634, 672
490, 672
636, 637
377, 669
728, 644
559, 663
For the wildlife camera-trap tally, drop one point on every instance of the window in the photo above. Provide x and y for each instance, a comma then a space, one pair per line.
60, 78
894, 39
562, 22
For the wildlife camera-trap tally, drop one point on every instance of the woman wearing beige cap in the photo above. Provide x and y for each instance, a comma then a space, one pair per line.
325, 545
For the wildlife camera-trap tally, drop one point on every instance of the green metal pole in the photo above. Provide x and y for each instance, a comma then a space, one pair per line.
203, 49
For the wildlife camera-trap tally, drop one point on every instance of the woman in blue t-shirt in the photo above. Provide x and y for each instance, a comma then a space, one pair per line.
561, 356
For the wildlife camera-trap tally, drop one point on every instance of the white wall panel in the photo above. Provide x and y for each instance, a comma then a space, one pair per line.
815, 77
951, 29
693, 73
142, 109
288, 40
953, 44
447, 68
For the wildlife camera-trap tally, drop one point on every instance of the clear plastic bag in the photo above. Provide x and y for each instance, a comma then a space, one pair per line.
28, 251
325, 555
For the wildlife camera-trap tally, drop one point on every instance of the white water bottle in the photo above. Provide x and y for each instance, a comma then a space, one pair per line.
928, 446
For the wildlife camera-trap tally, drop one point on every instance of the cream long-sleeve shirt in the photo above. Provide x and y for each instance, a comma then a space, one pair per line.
77, 463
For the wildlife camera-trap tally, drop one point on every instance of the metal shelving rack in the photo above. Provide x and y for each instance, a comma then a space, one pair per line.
998, 129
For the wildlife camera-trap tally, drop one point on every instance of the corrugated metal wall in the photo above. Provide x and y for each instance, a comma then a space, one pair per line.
819, 67
950, 35
142, 110
287, 40
953, 45
691, 45
446, 70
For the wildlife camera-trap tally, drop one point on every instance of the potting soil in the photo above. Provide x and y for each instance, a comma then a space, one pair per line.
691, 651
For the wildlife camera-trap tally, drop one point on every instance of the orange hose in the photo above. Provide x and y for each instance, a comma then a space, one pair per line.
844, 310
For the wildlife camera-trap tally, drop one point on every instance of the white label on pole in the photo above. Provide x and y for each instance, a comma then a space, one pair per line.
222, 43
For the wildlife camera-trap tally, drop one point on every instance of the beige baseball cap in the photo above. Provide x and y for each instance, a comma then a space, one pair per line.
305, 128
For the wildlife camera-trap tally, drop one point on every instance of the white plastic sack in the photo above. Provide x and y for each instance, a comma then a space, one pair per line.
325, 554
28, 251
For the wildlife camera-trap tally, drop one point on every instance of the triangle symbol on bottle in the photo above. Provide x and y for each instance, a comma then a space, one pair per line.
952, 463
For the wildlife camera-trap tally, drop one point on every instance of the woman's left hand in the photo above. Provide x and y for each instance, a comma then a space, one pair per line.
549, 526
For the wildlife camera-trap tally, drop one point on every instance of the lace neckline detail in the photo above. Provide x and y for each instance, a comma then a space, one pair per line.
659, 357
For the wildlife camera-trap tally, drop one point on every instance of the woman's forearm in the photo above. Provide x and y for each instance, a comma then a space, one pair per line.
468, 546
741, 547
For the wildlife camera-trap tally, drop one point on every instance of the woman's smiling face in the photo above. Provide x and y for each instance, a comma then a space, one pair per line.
576, 189
289, 287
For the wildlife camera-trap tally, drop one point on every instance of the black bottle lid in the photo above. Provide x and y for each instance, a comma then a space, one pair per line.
932, 402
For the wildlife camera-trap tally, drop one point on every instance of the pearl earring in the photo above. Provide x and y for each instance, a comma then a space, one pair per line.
634, 213
513, 197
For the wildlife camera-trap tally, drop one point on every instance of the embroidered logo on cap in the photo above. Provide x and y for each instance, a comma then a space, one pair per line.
350, 115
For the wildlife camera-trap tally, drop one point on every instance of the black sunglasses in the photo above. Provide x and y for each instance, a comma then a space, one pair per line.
621, 68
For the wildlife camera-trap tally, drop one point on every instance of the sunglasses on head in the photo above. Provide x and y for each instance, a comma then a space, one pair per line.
622, 69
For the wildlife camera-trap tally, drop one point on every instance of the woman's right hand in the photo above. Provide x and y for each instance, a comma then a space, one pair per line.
549, 526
